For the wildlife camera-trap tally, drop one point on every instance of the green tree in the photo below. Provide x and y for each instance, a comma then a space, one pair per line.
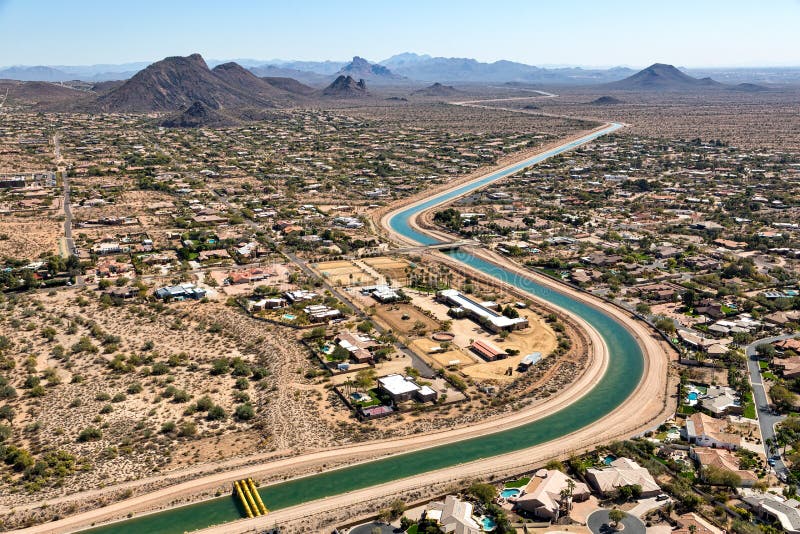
615, 515
485, 493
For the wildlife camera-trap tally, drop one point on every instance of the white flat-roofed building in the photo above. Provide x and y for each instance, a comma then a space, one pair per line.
398, 387
492, 320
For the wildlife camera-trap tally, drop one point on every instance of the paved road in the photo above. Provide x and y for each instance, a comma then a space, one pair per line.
598, 523
766, 419
644, 506
69, 242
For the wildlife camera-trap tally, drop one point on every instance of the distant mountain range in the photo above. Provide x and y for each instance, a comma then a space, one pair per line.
191, 94
410, 66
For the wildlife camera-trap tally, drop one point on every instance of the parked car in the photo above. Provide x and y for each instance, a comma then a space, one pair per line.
662, 497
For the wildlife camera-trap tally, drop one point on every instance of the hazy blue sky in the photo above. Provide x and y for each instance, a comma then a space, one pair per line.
583, 32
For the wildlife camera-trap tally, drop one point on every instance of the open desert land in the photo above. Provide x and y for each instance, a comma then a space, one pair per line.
30, 237
763, 119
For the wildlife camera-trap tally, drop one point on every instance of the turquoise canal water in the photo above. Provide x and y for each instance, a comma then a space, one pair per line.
619, 381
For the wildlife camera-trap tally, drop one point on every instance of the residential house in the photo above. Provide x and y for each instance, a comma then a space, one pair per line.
773, 508
454, 516
401, 388
543, 495
720, 400
358, 345
722, 459
622, 472
180, 292
705, 431
790, 367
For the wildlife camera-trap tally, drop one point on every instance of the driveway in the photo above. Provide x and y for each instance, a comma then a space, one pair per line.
766, 419
598, 523
646, 505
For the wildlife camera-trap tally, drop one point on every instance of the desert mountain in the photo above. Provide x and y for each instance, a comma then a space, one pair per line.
437, 89
362, 69
178, 82
605, 101
346, 87
240, 78
749, 88
40, 93
197, 115
289, 85
662, 77
280, 71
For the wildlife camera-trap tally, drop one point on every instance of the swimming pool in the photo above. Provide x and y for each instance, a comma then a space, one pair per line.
289, 316
488, 524
608, 459
692, 396
510, 492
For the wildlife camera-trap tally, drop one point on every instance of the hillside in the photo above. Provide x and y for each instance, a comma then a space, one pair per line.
178, 82
606, 101
346, 87
242, 79
362, 69
437, 89
39, 93
290, 85
198, 115
662, 77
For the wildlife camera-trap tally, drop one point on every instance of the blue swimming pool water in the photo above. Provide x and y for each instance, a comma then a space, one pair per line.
488, 524
510, 492
692, 396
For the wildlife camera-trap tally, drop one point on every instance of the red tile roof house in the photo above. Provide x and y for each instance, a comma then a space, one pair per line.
357, 345
705, 431
722, 459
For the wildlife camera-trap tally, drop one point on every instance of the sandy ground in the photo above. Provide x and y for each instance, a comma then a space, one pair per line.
646, 408
29, 237
595, 370
344, 273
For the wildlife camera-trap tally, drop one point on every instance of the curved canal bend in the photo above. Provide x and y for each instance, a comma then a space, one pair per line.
626, 364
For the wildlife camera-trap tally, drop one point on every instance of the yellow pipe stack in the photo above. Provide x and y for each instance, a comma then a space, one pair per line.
246, 490
242, 498
257, 497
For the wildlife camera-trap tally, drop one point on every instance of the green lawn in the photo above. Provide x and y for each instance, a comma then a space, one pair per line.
412, 529
750, 410
374, 400
519, 483
763, 365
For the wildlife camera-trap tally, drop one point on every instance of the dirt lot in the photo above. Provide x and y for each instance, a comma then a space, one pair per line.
29, 237
344, 273
393, 314
391, 267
